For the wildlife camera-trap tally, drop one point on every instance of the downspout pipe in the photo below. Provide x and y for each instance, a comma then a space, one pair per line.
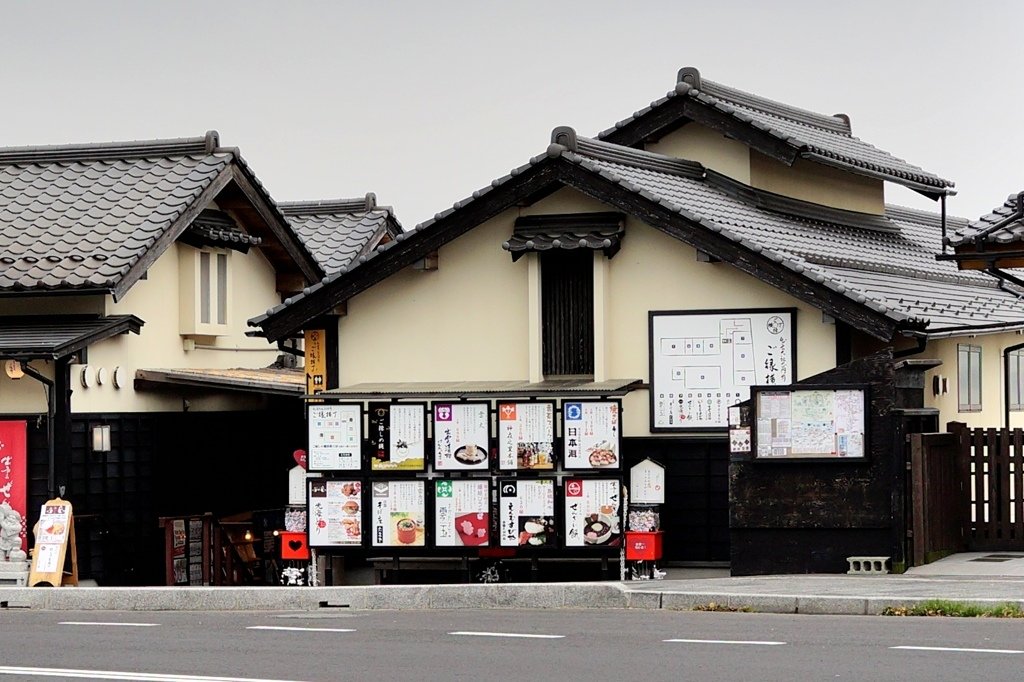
48, 384
922, 341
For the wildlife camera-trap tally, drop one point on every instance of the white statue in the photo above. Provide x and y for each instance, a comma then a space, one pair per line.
10, 534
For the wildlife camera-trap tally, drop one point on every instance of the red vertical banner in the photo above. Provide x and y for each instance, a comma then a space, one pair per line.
14, 470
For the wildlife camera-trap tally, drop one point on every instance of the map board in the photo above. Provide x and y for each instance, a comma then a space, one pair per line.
810, 422
703, 362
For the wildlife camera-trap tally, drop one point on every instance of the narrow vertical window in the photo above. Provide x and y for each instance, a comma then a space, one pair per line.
969, 377
204, 287
567, 312
1015, 379
222, 288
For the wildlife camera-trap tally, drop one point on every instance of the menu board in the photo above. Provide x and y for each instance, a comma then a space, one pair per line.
335, 513
591, 438
810, 422
526, 436
335, 437
398, 513
593, 512
526, 511
398, 436
462, 435
704, 362
462, 512
647, 483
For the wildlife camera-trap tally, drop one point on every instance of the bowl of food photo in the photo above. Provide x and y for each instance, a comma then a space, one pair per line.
470, 454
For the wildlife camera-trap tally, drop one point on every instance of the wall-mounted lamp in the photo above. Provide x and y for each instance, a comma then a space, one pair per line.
101, 438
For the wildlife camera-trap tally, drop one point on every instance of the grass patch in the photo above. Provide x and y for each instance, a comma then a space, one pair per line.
715, 606
944, 607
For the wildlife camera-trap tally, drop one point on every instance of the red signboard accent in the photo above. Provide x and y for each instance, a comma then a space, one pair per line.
13, 470
573, 488
294, 546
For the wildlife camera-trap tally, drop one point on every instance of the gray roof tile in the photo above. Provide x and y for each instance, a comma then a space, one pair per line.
1004, 225
338, 232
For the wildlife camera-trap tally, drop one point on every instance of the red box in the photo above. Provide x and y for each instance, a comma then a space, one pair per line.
643, 545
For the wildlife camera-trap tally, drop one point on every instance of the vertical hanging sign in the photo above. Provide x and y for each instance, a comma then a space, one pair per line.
315, 347
13, 467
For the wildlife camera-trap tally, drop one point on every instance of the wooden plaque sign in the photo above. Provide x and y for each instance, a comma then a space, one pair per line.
55, 535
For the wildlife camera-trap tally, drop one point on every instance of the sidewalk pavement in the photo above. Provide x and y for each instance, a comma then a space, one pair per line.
818, 594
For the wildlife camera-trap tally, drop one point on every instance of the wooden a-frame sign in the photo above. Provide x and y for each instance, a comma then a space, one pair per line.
55, 535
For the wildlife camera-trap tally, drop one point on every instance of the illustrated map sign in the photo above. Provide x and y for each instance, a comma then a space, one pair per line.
704, 362
810, 423
647, 483
398, 436
462, 512
335, 513
461, 436
592, 431
593, 512
526, 511
526, 436
335, 437
398, 513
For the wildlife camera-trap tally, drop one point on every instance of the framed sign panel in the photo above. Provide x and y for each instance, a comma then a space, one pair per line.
593, 512
810, 422
592, 433
526, 513
526, 436
398, 513
335, 513
462, 515
703, 362
398, 436
462, 436
335, 437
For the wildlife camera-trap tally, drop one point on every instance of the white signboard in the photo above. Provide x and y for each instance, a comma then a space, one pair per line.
591, 438
647, 483
398, 513
53, 528
526, 436
811, 423
462, 512
703, 363
297, 477
398, 436
335, 437
526, 511
335, 513
462, 436
593, 512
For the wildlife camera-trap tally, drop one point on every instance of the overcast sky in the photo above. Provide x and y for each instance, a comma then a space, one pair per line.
424, 102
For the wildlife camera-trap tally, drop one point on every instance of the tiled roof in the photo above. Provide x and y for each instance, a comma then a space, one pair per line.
851, 254
593, 231
215, 228
338, 232
817, 137
78, 217
1004, 225
57, 336
267, 380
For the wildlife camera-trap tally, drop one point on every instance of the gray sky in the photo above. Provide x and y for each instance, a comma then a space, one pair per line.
424, 102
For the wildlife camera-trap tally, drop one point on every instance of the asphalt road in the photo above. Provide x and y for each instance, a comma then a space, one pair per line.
562, 645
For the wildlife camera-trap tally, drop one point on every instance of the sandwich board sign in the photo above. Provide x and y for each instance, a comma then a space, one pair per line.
55, 535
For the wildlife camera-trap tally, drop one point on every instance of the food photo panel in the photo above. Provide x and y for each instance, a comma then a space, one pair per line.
593, 512
591, 435
462, 513
398, 436
335, 513
398, 513
526, 513
462, 436
526, 436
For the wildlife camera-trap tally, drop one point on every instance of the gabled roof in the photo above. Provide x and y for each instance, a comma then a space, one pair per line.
57, 336
1004, 225
339, 232
876, 273
93, 217
779, 130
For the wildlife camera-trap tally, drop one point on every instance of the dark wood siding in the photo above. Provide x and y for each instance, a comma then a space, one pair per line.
567, 312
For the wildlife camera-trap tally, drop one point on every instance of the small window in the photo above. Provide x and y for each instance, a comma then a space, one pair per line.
567, 312
205, 279
969, 377
1015, 379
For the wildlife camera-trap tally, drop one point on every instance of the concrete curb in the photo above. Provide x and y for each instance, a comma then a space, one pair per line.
469, 596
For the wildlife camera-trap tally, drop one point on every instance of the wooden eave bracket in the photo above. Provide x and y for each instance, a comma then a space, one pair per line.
428, 262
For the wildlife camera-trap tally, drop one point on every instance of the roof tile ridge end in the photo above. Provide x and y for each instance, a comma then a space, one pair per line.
90, 151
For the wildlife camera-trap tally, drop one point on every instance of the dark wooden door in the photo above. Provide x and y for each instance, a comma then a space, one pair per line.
937, 489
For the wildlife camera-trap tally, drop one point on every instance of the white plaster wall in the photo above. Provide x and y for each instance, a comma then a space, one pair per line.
695, 142
818, 184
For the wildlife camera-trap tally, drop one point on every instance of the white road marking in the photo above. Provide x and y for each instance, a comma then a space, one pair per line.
952, 648
121, 675
104, 622
297, 629
505, 634
724, 641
